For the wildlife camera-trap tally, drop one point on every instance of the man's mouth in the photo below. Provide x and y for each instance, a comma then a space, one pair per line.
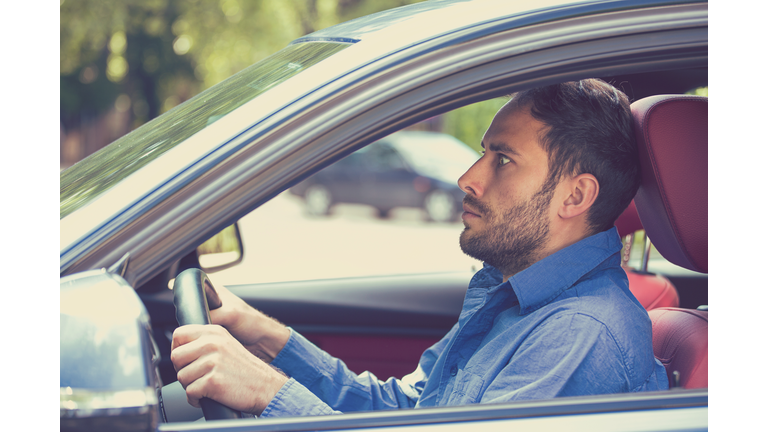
469, 209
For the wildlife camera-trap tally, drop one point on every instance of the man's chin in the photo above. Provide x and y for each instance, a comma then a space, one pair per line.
467, 242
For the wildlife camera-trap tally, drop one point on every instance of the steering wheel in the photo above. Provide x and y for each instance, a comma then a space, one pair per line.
194, 296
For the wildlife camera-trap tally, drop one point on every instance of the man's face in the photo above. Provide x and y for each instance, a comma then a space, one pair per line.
507, 206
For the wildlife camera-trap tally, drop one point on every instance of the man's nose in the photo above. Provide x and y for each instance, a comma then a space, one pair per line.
471, 181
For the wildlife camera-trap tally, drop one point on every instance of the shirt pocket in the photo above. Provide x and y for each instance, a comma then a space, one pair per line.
466, 389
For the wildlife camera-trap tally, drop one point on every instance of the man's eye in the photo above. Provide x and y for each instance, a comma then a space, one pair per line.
503, 160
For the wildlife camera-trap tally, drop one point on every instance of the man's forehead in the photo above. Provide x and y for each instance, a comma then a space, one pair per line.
512, 127
500, 146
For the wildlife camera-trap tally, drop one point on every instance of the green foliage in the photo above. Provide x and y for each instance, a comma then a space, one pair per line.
469, 123
162, 52
701, 91
224, 241
114, 48
110, 165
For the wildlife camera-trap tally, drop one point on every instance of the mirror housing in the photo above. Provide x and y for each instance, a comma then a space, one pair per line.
108, 359
222, 251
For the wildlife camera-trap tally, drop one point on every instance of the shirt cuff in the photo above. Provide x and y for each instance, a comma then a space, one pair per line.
294, 399
300, 359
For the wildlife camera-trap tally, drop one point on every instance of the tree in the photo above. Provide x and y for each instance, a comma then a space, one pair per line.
124, 63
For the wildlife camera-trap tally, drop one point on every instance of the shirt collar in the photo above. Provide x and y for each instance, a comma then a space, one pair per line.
546, 279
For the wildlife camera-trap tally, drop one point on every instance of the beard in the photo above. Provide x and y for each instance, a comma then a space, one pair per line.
511, 239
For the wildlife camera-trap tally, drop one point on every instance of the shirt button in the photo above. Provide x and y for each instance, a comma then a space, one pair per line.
454, 371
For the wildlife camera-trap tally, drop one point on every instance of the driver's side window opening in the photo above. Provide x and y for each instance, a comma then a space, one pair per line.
392, 207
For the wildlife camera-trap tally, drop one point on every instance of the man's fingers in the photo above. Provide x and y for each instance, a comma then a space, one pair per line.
194, 402
201, 381
192, 342
198, 367
186, 334
191, 332
182, 356
211, 363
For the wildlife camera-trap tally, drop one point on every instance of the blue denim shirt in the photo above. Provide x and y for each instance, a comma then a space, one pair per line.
567, 325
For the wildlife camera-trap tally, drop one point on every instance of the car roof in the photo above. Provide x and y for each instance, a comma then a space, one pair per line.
438, 16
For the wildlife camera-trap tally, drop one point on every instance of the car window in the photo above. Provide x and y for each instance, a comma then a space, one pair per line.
284, 241
105, 168
383, 158
656, 262
379, 229
419, 150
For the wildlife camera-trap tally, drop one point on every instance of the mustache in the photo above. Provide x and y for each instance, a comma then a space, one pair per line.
475, 204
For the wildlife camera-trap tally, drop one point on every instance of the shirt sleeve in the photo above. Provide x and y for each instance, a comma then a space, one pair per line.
581, 358
321, 384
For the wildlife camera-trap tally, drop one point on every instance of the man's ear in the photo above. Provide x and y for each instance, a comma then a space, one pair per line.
581, 193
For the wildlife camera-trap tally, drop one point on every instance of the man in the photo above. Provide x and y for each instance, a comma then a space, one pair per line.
549, 315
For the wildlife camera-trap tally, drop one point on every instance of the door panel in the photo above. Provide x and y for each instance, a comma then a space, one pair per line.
379, 324
384, 356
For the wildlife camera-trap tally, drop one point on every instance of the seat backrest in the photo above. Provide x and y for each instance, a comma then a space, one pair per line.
680, 342
651, 290
628, 221
671, 132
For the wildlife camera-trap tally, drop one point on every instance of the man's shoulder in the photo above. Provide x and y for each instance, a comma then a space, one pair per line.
604, 294
604, 297
605, 307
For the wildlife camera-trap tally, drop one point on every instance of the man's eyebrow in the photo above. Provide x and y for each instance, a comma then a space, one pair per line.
500, 148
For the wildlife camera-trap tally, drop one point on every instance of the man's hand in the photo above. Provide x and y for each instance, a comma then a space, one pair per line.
263, 336
210, 363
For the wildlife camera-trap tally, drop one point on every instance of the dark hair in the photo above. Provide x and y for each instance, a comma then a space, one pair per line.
589, 130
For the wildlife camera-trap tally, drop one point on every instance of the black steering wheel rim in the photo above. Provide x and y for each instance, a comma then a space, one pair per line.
194, 297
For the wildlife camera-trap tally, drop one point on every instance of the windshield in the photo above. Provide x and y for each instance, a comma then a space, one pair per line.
100, 171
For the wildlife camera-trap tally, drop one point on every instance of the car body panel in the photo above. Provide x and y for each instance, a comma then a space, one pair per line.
685, 410
414, 310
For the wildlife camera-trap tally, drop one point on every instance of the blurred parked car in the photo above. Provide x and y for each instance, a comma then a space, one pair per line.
405, 169
133, 215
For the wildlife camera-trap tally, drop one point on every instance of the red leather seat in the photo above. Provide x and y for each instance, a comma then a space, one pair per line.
680, 342
672, 134
651, 290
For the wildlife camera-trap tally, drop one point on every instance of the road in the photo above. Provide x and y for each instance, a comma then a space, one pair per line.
282, 243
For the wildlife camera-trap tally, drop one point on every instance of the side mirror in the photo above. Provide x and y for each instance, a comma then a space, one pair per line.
108, 358
221, 251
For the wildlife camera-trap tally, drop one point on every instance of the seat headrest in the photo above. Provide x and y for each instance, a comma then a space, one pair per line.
671, 133
628, 221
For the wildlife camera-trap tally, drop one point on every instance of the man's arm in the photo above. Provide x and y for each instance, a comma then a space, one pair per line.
260, 334
342, 390
213, 361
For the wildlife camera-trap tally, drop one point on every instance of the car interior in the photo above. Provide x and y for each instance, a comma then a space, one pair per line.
672, 203
651, 290
383, 323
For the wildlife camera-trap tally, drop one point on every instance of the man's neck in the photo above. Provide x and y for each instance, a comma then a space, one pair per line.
554, 244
